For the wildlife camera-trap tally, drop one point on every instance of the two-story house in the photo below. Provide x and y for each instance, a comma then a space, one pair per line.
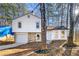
28, 29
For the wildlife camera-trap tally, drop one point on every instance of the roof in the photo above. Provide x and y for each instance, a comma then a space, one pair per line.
28, 14
57, 28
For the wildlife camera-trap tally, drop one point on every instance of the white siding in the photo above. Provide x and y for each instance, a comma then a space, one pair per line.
51, 35
48, 35
28, 24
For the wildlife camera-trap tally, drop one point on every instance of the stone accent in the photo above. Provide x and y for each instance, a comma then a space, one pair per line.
32, 36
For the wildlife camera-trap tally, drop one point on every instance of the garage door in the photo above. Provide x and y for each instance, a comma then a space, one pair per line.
22, 37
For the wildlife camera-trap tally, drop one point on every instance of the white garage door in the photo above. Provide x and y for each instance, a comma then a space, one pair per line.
22, 37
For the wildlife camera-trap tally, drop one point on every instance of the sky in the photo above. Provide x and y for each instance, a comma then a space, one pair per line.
31, 6
34, 7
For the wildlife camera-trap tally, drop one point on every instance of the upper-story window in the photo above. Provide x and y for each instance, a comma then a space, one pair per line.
19, 24
37, 25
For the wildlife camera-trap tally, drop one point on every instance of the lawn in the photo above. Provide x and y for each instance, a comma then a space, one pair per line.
57, 43
53, 47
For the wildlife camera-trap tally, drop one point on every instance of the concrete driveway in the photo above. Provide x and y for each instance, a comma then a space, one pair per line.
10, 46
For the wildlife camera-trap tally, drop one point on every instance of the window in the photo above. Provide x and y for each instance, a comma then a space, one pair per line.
37, 24
19, 24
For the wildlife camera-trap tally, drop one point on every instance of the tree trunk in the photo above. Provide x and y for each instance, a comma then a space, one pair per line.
43, 23
71, 31
67, 17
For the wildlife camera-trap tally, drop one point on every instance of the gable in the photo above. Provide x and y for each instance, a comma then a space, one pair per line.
28, 24
27, 16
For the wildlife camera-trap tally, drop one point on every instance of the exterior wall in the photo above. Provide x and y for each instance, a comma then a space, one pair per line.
21, 37
25, 37
28, 24
32, 37
57, 35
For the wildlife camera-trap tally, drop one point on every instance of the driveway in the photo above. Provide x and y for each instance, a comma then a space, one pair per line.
15, 50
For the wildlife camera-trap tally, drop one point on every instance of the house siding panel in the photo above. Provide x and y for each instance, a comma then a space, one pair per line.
28, 24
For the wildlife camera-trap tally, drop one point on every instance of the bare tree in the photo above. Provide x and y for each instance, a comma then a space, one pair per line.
71, 31
43, 23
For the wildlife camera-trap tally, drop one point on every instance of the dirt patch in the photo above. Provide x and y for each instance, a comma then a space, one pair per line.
57, 43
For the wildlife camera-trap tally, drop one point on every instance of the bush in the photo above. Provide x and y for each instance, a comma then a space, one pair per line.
42, 51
